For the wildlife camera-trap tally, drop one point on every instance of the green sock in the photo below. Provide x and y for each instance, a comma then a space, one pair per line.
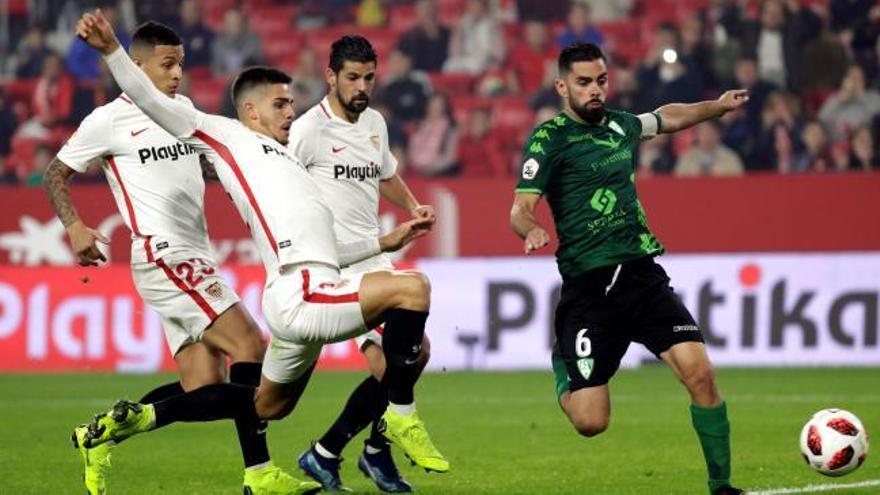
714, 431
560, 375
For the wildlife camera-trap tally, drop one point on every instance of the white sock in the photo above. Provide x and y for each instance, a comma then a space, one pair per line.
403, 409
324, 452
369, 449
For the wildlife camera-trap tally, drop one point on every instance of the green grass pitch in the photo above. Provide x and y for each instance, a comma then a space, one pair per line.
502, 432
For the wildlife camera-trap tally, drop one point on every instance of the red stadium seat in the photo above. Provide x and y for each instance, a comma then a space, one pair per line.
513, 112
401, 17
452, 84
206, 94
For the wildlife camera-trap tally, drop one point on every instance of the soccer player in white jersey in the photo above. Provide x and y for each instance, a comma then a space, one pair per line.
159, 190
344, 145
306, 302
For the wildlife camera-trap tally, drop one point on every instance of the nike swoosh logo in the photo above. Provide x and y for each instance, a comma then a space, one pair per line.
337, 150
135, 133
410, 362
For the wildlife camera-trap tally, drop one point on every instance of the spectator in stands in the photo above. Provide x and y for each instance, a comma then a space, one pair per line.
309, 86
777, 39
781, 111
815, 156
30, 54
371, 14
427, 43
824, 61
433, 151
696, 52
52, 101
782, 154
197, 38
81, 61
848, 13
31, 174
477, 42
663, 78
235, 46
738, 135
529, 60
8, 123
709, 156
852, 105
864, 40
580, 27
88, 97
863, 153
479, 153
656, 156
546, 96
747, 77
626, 91
404, 90
396, 134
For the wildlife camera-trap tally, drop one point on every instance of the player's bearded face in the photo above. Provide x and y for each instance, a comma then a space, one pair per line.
587, 89
163, 64
354, 85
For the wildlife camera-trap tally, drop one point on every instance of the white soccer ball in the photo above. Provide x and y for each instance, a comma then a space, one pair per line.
834, 442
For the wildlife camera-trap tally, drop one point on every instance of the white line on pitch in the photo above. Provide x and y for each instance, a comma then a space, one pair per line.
817, 488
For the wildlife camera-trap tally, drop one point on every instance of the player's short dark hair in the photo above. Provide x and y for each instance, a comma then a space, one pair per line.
256, 76
578, 52
151, 33
353, 49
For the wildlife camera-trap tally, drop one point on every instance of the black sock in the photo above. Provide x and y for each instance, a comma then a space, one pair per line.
402, 343
251, 431
377, 440
358, 412
162, 393
208, 403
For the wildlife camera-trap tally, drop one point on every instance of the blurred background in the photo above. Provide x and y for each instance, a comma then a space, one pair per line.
769, 214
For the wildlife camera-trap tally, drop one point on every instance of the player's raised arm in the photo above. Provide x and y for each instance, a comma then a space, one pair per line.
677, 116
403, 234
524, 223
178, 119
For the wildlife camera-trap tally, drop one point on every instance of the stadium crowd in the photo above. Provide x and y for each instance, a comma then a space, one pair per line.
462, 82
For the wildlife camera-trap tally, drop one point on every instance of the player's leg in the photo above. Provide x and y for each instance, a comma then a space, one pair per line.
669, 330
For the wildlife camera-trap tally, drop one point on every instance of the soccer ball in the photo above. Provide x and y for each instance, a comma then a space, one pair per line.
834, 442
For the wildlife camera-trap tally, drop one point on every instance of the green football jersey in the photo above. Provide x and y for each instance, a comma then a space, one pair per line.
587, 173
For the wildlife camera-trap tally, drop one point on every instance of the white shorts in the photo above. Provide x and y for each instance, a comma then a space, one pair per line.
307, 306
188, 294
379, 262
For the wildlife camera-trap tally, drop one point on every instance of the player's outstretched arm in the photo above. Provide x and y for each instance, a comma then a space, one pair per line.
396, 191
83, 240
178, 119
677, 116
524, 223
403, 234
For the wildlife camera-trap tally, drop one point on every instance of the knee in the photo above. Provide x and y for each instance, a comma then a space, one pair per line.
589, 426
269, 411
418, 291
700, 381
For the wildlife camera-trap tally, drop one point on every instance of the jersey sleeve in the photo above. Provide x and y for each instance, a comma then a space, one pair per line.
91, 139
178, 118
536, 167
389, 162
303, 140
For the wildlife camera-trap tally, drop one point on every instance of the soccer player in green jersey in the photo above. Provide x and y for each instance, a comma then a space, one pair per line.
613, 293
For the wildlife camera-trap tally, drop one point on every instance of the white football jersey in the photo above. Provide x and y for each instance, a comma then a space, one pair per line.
274, 194
347, 161
156, 179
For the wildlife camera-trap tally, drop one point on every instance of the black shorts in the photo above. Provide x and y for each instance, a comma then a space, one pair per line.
601, 311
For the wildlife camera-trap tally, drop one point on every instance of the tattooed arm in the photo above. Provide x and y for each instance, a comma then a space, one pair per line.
82, 238
208, 170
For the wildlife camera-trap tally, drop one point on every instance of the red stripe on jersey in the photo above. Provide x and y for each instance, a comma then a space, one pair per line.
226, 155
148, 249
317, 297
125, 99
321, 104
209, 311
128, 205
